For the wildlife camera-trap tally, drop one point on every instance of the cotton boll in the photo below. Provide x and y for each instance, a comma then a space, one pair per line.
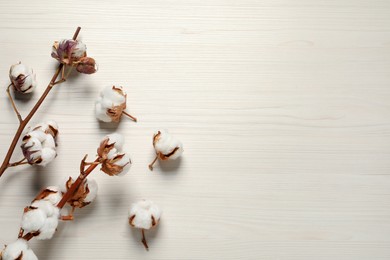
51, 194
118, 165
124, 162
74, 53
93, 189
167, 145
41, 136
101, 113
49, 142
113, 162
116, 95
46, 206
53, 124
22, 77
15, 249
107, 110
68, 51
18, 250
65, 183
42, 218
47, 156
49, 227
33, 219
116, 139
29, 255
110, 145
112, 153
50, 127
111, 104
79, 50
85, 193
39, 145
32, 149
144, 214
48, 230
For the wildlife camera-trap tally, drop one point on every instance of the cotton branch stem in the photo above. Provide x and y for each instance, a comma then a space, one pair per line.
24, 122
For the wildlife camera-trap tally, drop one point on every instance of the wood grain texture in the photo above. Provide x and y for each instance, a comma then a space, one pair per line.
282, 106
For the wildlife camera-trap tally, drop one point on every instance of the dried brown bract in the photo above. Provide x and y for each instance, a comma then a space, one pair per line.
84, 194
113, 161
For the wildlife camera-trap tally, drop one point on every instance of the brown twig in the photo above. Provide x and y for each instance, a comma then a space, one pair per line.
21, 162
25, 121
151, 165
132, 117
13, 104
144, 240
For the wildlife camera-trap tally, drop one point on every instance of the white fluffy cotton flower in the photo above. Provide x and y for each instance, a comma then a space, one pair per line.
114, 161
23, 78
167, 146
41, 217
18, 250
51, 194
84, 195
111, 104
39, 143
144, 214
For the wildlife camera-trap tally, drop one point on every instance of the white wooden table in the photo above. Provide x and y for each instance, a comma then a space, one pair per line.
282, 106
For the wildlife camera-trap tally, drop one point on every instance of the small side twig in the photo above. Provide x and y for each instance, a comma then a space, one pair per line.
151, 165
13, 104
144, 242
21, 162
132, 117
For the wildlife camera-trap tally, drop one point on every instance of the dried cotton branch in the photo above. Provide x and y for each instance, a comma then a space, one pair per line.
40, 219
82, 64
